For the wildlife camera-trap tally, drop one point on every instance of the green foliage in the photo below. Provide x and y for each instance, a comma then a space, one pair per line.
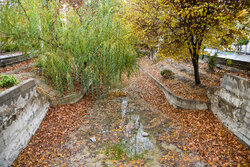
7, 81
90, 44
41, 62
229, 62
142, 53
242, 41
9, 46
166, 73
212, 61
117, 151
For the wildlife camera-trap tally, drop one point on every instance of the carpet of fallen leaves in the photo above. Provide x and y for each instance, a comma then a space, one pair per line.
47, 146
200, 133
18, 66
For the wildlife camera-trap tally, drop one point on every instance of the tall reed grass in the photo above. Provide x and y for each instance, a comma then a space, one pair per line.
90, 44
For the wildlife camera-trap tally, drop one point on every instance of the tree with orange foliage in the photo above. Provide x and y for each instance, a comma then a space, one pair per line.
179, 28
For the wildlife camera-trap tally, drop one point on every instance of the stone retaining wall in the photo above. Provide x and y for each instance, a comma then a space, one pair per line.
21, 112
231, 104
177, 101
235, 63
9, 59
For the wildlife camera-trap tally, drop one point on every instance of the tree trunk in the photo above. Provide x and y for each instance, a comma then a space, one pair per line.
195, 61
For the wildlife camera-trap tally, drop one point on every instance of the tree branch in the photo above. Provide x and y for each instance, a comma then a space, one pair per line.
24, 10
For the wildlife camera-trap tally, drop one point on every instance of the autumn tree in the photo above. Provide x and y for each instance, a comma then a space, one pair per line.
179, 28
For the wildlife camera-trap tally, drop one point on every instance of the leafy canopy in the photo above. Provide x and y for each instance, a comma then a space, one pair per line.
179, 28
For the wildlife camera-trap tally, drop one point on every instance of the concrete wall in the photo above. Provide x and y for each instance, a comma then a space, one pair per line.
13, 58
231, 104
235, 63
21, 112
177, 101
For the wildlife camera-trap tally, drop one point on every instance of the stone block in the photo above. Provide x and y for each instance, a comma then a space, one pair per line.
237, 85
247, 120
231, 98
248, 115
248, 135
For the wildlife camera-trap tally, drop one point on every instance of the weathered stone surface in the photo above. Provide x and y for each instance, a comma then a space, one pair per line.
12, 58
21, 112
231, 98
231, 104
236, 85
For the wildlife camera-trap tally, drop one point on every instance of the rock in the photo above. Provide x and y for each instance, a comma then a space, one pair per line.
233, 69
198, 164
145, 134
93, 139
221, 67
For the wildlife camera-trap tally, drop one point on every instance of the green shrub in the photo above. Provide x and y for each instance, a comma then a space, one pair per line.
166, 73
7, 81
41, 61
212, 61
91, 44
229, 62
9, 46
117, 151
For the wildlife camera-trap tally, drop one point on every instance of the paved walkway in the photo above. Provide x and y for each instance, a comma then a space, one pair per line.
227, 55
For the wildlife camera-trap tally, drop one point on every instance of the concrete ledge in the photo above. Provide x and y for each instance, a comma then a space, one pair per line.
177, 101
237, 85
21, 112
9, 59
69, 99
12, 94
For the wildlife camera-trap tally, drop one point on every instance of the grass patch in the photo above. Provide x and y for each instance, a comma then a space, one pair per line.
7, 81
120, 152
116, 152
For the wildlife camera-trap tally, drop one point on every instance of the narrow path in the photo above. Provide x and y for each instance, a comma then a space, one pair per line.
227, 55
132, 126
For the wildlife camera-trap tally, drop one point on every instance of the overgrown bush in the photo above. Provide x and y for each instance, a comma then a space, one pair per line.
167, 74
229, 62
8, 46
90, 44
212, 61
7, 81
